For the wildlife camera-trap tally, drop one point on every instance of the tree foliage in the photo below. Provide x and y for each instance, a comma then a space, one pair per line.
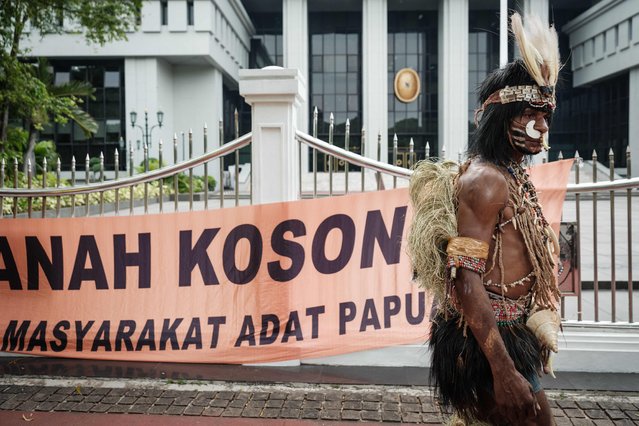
22, 88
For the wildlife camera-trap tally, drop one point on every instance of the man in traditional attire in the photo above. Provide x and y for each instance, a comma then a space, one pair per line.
480, 242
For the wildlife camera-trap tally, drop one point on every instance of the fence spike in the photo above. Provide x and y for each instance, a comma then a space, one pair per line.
427, 149
44, 164
560, 156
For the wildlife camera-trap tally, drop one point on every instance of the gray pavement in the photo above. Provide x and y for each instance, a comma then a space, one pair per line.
36, 397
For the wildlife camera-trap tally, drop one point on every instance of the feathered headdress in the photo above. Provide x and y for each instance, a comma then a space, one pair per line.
539, 47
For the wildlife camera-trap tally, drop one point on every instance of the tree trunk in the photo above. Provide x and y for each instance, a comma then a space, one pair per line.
4, 124
29, 154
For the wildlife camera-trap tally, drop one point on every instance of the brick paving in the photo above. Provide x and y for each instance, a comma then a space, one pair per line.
325, 403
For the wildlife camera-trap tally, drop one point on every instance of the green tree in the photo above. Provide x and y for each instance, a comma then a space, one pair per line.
63, 99
21, 90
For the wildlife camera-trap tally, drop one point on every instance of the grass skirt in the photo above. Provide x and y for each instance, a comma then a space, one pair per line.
459, 369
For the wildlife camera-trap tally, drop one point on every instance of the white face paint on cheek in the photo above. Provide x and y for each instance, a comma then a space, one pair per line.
531, 131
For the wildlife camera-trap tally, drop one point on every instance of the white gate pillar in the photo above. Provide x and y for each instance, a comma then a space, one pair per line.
633, 119
453, 77
275, 95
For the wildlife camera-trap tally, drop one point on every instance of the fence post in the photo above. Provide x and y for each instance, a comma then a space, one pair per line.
275, 95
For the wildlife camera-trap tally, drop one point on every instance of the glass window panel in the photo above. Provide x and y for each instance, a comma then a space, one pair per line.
482, 62
411, 61
112, 102
329, 104
329, 83
353, 102
353, 44
78, 133
113, 126
316, 43
352, 63
329, 44
400, 43
472, 62
340, 44
112, 79
482, 42
316, 65
391, 43
340, 82
329, 63
318, 82
339, 118
96, 106
78, 73
61, 78
411, 42
340, 63
64, 129
96, 76
318, 102
472, 42
340, 103
100, 132
352, 83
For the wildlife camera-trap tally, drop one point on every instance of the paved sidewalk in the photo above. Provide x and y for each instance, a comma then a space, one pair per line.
55, 400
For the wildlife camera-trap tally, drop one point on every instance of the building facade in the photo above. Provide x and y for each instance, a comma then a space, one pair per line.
185, 56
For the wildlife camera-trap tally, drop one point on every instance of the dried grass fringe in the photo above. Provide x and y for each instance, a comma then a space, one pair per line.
434, 199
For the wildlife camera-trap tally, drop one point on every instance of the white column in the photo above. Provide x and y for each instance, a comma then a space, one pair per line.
295, 49
503, 33
537, 7
295, 46
633, 119
275, 95
453, 77
374, 75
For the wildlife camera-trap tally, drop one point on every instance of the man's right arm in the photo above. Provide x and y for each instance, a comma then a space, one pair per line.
483, 194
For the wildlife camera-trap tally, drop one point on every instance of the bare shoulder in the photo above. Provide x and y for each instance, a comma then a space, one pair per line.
483, 182
482, 194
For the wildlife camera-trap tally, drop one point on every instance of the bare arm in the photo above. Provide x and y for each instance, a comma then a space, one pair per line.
483, 194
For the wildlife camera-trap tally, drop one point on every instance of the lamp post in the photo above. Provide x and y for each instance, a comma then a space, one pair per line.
146, 132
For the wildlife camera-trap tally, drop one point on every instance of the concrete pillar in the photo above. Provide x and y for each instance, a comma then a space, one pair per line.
374, 75
633, 119
453, 77
296, 52
295, 48
503, 33
275, 95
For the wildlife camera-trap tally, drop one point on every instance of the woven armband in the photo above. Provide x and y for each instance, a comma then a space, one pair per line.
467, 253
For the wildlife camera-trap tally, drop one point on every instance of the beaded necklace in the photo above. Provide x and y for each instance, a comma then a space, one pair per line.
529, 220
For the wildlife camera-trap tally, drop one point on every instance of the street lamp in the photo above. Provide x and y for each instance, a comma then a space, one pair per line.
146, 132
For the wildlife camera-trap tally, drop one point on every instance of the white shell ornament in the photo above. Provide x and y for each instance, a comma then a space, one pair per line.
545, 326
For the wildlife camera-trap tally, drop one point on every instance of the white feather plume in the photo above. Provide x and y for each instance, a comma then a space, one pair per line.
539, 47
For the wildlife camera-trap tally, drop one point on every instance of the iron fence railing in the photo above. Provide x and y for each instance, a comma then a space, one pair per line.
158, 184
598, 212
594, 247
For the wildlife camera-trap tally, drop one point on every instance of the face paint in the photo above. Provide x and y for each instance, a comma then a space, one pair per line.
531, 131
525, 138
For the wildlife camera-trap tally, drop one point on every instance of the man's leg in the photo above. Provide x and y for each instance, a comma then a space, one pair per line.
544, 413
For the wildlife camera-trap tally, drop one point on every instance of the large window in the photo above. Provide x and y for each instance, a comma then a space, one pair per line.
107, 108
336, 76
412, 43
266, 44
588, 118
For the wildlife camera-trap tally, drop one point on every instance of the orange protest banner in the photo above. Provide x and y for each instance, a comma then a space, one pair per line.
251, 284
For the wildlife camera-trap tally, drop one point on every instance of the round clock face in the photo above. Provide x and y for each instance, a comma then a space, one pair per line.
407, 85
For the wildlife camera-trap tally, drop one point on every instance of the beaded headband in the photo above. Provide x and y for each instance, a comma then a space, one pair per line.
538, 97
